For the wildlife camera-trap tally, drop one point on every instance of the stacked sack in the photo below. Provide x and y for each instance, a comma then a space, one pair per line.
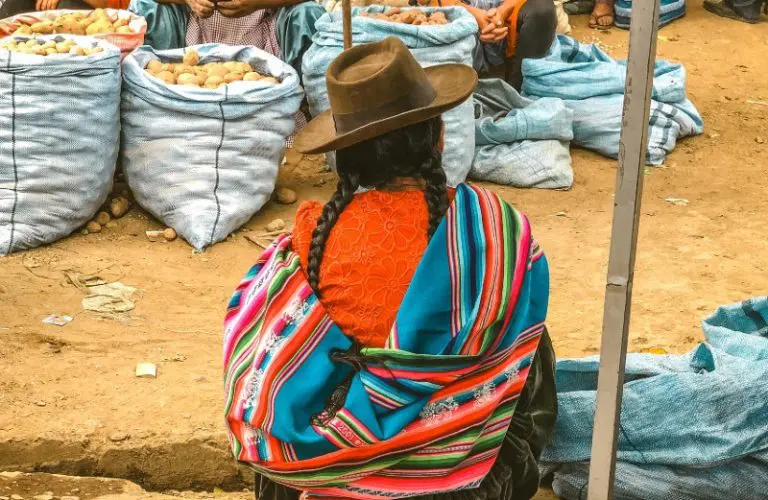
591, 84
58, 136
430, 45
205, 160
520, 142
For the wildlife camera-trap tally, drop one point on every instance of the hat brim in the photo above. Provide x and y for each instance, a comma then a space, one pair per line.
453, 84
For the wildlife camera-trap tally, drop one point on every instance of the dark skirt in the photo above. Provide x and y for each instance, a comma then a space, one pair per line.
515, 475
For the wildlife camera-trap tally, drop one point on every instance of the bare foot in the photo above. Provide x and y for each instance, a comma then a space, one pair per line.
602, 15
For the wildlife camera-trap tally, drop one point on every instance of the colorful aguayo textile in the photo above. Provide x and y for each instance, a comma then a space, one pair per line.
426, 413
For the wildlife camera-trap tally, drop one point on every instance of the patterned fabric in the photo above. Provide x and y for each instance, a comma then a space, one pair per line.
427, 412
256, 29
374, 246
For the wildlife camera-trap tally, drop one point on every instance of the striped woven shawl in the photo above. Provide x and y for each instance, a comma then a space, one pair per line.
424, 414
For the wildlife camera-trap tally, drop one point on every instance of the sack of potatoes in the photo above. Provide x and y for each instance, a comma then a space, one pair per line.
59, 135
415, 17
203, 134
191, 73
119, 27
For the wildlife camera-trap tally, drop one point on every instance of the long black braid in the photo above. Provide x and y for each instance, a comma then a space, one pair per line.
410, 152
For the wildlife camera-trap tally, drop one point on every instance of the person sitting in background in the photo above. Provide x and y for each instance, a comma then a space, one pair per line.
510, 31
284, 28
376, 265
747, 11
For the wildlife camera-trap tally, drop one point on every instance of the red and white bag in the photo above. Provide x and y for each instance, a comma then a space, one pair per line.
126, 42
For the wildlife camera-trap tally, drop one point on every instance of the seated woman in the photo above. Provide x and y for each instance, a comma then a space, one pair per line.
510, 31
394, 345
284, 28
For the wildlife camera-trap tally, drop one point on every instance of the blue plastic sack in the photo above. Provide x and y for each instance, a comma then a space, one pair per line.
520, 142
692, 426
592, 85
669, 10
204, 161
58, 141
430, 45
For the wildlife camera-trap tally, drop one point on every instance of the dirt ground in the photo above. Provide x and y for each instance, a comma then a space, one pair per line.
69, 400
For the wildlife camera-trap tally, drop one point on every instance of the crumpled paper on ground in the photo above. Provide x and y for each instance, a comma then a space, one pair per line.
110, 298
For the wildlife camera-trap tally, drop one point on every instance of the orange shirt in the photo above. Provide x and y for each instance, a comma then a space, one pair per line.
369, 258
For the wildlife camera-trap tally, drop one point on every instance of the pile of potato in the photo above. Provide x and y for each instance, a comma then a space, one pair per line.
78, 23
58, 45
209, 76
410, 16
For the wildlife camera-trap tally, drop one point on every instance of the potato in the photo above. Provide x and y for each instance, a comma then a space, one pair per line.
154, 66
214, 82
182, 68
77, 51
120, 23
169, 67
93, 227
245, 68
119, 207
43, 27
232, 66
252, 76
167, 77
98, 27
124, 29
169, 234
218, 70
188, 79
50, 52
233, 77
270, 79
191, 58
102, 218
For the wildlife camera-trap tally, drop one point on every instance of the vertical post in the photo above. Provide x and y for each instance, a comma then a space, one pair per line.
626, 215
346, 13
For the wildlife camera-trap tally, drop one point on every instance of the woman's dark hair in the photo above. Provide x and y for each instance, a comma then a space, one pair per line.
412, 152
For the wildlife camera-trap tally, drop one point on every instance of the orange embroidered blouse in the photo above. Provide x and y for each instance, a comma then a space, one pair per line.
369, 258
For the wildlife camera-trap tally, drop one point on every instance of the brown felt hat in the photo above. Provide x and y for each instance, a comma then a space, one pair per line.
378, 87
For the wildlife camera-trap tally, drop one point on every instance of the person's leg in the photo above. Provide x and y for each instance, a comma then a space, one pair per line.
74, 5
536, 24
602, 15
12, 7
747, 11
295, 28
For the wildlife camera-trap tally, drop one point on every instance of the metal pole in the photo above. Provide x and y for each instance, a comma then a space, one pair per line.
346, 13
621, 264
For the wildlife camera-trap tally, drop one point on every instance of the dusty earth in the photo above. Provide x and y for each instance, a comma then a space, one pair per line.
69, 400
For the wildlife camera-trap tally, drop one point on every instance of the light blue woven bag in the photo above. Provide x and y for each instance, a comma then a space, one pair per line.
520, 142
592, 85
430, 45
693, 426
204, 161
58, 141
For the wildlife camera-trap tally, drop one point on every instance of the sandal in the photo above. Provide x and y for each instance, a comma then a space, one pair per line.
597, 18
